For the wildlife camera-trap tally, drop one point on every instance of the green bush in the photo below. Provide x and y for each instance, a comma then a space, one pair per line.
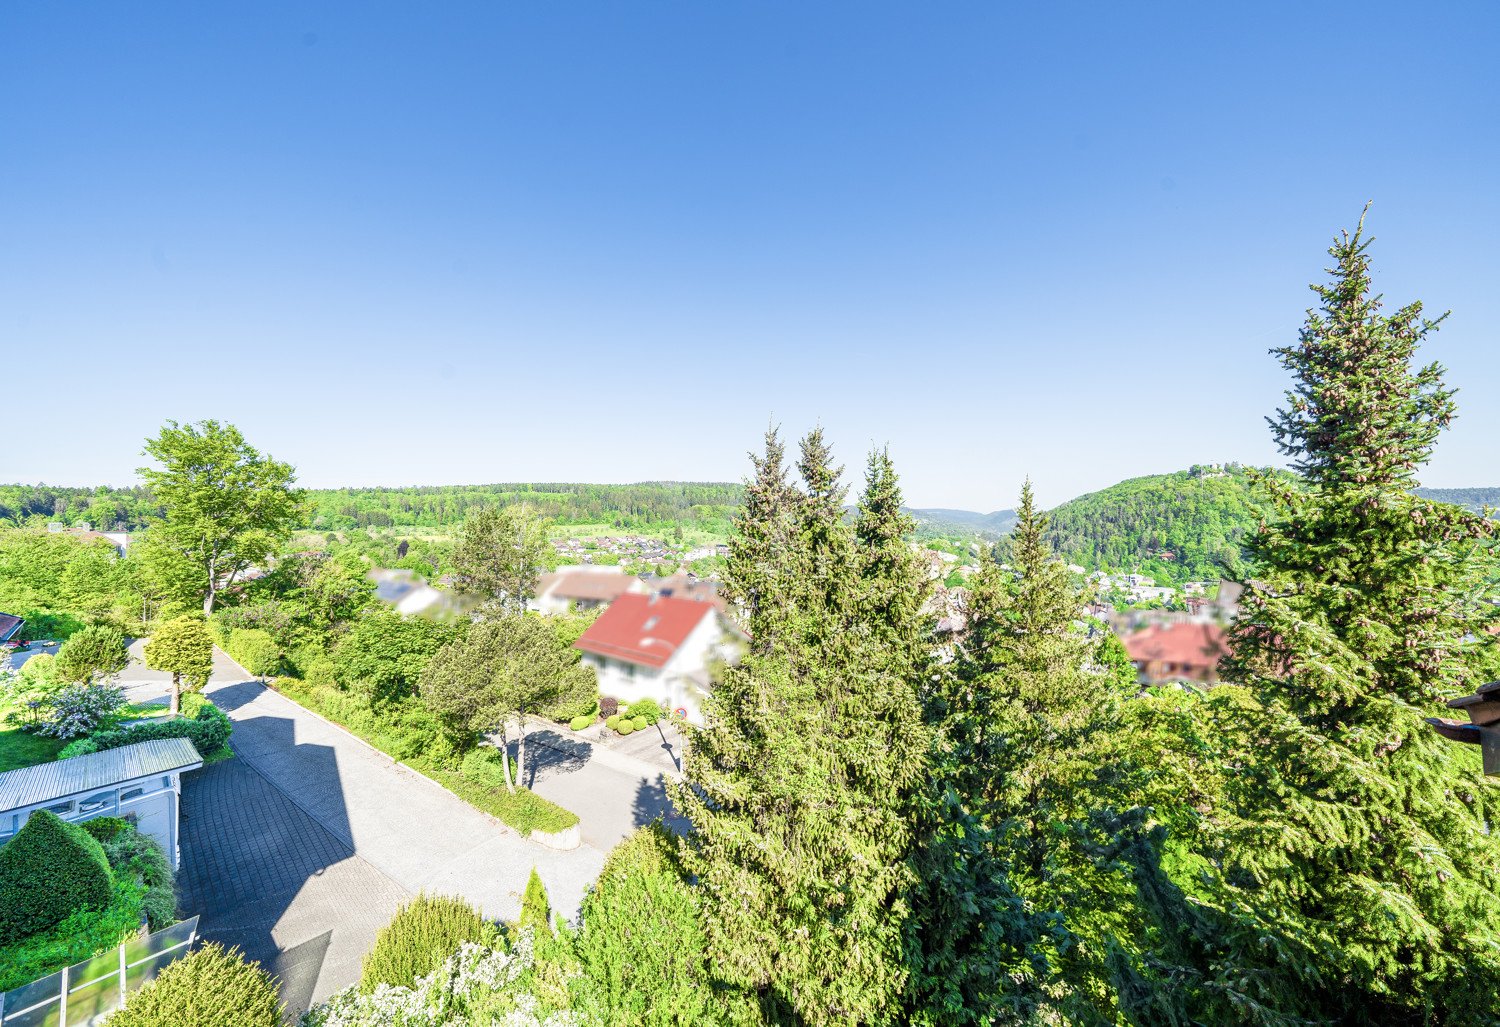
211, 987
49, 870
580, 723
626, 727
646, 709
255, 650
641, 723
209, 732
613, 722
481, 783
75, 938
94, 650
105, 828
424, 932
139, 855
534, 907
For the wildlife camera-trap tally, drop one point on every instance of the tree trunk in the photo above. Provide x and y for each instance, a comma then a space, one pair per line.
521, 747
176, 688
505, 754
208, 597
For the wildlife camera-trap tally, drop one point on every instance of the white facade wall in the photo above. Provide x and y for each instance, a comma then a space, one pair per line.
671, 685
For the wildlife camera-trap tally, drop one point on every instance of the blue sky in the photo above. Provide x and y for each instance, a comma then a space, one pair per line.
463, 243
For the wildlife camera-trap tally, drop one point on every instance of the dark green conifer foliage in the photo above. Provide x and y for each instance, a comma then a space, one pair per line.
50, 869
797, 785
1357, 877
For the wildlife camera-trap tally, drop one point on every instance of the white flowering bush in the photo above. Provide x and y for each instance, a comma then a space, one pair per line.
79, 710
475, 987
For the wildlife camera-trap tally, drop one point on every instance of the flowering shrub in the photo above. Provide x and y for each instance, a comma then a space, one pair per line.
474, 980
78, 710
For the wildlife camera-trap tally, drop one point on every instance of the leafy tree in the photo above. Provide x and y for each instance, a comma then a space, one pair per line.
507, 667
498, 556
388, 652
1348, 874
96, 650
227, 507
184, 648
796, 786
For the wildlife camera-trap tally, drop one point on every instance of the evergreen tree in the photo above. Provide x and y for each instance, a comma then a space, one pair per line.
535, 910
1351, 865
797, 785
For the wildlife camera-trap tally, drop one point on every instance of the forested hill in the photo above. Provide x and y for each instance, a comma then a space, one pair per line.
1174, 527
1475, 499
642, 506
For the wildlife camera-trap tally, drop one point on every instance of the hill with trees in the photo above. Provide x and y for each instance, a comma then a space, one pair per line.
1177, 527
1474, 500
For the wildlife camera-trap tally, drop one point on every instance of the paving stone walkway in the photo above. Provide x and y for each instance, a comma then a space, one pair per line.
263, 875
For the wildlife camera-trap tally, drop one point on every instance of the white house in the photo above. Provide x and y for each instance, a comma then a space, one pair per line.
659, 647
141, 783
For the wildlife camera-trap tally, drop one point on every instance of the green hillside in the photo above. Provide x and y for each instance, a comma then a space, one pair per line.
1196, 516
1475, 499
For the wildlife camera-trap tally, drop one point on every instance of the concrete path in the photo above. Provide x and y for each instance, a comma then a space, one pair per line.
406, 827
613, 793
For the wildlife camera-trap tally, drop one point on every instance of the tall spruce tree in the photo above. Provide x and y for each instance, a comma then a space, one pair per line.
796, 787
1350, 871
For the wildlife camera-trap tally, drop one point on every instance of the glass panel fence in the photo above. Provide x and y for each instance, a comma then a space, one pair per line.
140, 948
31, 994
90, 970
46, 1016
146, 970
94, 1000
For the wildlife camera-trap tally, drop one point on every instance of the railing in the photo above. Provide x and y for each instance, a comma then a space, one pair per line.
83, 993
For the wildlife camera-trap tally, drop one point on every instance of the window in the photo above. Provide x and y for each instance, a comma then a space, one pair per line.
132, 793
62, 809
651, 622
94, 803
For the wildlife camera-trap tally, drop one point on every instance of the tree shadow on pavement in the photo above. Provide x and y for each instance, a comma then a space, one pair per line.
549, 754
651, 802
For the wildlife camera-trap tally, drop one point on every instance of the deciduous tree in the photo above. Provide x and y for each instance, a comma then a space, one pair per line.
499, 556
227, 507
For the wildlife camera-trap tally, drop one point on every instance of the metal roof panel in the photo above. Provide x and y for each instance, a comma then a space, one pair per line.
31, 786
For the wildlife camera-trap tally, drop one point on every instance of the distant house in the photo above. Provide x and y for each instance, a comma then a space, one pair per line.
1177, 652
410, 594
659, 647
119, 539
10, 629
583, 588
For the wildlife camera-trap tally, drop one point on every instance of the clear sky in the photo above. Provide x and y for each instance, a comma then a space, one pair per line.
463, 243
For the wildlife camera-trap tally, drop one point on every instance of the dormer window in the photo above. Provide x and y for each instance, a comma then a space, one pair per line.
650, 623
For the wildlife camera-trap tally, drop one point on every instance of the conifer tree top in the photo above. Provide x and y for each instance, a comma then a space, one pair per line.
1358, 416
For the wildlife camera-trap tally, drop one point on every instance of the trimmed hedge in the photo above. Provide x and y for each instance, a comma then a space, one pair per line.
424, 932
641, 723
626, 727
48, 871
481, 783
645, 709
209, 732
212, 987
105, 828
580, 723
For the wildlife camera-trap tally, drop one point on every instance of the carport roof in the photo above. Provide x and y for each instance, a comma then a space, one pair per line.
44, 782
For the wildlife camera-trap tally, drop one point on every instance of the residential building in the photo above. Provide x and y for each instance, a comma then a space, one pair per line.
1177, 652
660, 647
583, 588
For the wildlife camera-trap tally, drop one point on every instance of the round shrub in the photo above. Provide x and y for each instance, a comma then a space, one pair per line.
626, 727
211, 987
640, 723
48, 870
104, 828
580, 723
423, 933
613, 721
608, 706
645, 708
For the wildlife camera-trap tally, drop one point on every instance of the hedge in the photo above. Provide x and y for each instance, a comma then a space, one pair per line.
48, 871
209, 732
212, 987
580, 723
647, 709
424, 932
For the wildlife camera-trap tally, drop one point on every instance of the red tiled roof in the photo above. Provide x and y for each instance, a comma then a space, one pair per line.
1199, 645
601, 588
622, 631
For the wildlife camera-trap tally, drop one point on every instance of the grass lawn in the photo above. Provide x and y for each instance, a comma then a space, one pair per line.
21, 749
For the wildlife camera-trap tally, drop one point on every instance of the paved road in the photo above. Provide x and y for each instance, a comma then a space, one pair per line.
264, 876
410, 832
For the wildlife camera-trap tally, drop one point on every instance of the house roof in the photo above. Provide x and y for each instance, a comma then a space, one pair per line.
645, 630
593, 587
44, 782
1196, 644
9, 625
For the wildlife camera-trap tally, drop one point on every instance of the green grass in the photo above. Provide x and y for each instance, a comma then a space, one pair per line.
22, 749
525, 811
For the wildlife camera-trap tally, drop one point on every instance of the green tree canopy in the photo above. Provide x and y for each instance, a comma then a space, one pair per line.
227, 507
97, 649
183, 647
499, 556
